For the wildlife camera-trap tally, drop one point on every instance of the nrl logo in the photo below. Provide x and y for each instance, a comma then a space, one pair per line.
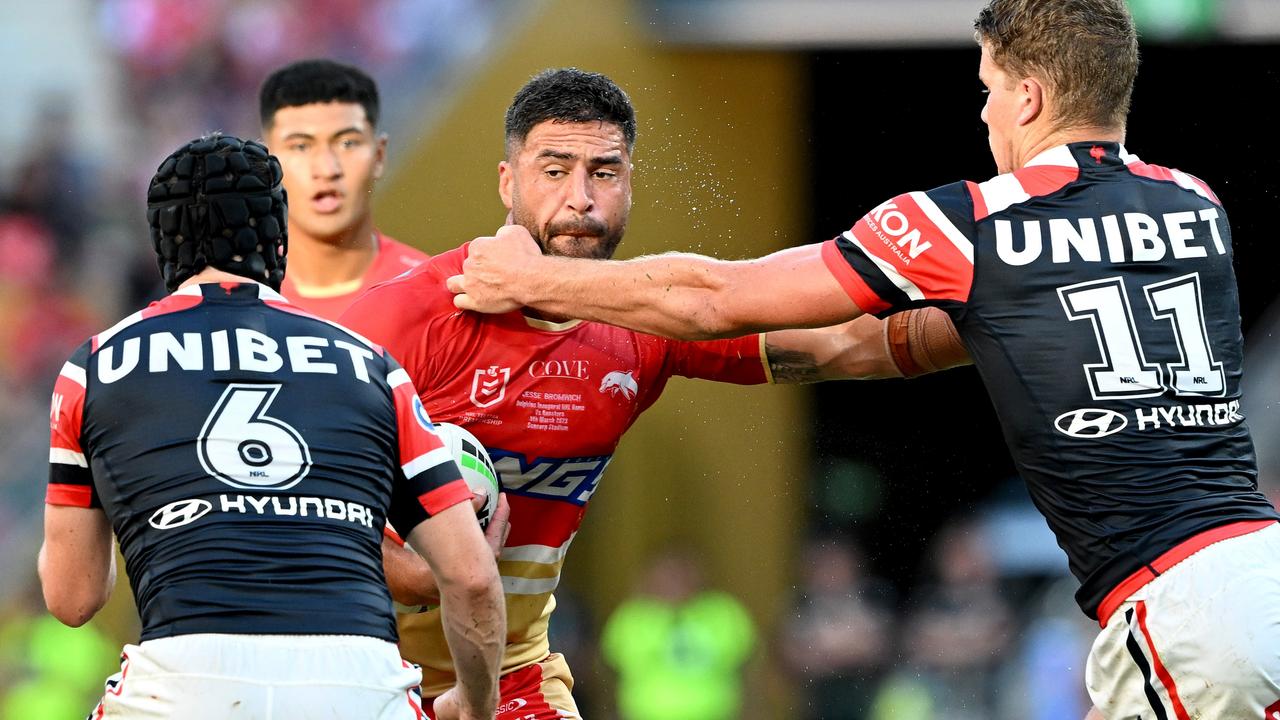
620, 383
489, 386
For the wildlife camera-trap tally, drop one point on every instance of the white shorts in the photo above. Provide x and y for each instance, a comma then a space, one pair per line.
1202, 640
262, 677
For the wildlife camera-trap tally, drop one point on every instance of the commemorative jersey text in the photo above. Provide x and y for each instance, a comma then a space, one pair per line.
246, 455
1096, 297
550, 402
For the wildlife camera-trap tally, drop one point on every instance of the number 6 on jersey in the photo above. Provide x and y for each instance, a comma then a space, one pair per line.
245, 448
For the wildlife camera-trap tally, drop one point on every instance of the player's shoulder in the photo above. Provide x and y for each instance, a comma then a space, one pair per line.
915, 217
1159, 173
176, 302
400, 256
415, 294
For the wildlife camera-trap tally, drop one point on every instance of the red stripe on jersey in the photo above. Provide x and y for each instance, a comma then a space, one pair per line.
73, 495
1161, 672
170, 304
1040, 180
539, 521
445, 496
393, 536
857, 289
979, 202
941, 271
294, 309
1156, 172
66, 413
1171, 557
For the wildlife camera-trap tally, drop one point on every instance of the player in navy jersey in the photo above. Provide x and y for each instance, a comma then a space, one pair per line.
247, 455
1095, 295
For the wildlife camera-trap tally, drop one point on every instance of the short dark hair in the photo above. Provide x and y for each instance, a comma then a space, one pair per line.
569, 95
317, 81
218, 202
1086, 51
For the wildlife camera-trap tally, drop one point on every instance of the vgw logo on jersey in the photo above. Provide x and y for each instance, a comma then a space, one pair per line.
489, 386
569, 479
1090, 423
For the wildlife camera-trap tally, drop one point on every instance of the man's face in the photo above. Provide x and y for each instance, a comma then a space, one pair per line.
1000, 112
569, 184
331, 157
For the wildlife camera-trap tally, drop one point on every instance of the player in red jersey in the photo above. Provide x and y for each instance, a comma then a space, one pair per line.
320, 118
1097, 298
550, 397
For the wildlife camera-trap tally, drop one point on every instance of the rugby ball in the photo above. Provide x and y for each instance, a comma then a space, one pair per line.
477, 469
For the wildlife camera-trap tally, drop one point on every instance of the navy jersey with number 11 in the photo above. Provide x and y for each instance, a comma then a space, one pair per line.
1096, 297
247, 455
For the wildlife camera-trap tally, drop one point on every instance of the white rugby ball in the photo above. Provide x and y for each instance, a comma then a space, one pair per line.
473, 460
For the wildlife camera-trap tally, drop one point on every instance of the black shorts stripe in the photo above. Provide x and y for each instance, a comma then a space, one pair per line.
1135, 651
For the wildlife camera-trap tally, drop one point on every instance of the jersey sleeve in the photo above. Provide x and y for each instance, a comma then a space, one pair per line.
429, 481
736, 360
914, 250
70, 480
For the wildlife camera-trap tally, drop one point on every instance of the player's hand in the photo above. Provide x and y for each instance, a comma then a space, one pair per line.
491, 274
499, 525
449, 707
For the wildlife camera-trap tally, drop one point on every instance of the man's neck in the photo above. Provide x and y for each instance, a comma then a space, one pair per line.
1051, 139
316, 264
214, 275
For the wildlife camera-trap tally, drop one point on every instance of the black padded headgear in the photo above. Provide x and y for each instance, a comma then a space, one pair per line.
218, 202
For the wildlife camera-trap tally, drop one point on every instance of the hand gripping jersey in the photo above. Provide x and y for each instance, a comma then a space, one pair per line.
393, 258
246, 454
1096, 296
550, 402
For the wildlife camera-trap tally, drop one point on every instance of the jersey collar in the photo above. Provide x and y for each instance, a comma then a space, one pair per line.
264, 292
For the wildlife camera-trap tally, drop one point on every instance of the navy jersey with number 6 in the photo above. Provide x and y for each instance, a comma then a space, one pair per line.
1096, 297
248, 456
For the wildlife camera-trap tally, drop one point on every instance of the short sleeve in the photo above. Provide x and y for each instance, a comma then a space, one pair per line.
429, 481
736, 360
70, 480
912, 251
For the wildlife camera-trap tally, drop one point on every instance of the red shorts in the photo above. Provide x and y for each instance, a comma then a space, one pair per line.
535, 692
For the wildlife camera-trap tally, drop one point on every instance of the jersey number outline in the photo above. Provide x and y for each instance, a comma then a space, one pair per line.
1124, 371
245, 448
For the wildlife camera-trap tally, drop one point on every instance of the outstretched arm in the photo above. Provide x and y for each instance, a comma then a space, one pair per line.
678, 295
907, 344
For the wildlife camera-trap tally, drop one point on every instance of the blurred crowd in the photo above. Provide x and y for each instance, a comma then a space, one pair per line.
971, 638
73, 250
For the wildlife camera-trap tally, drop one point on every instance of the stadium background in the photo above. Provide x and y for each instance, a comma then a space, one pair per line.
762, 125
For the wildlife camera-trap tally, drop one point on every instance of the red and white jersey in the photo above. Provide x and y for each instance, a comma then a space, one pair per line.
393, 258
550, 402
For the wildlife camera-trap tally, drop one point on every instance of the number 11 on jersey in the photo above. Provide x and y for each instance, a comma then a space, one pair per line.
1124, 371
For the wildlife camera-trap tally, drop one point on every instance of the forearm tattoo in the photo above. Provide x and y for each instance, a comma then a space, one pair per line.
791, 366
